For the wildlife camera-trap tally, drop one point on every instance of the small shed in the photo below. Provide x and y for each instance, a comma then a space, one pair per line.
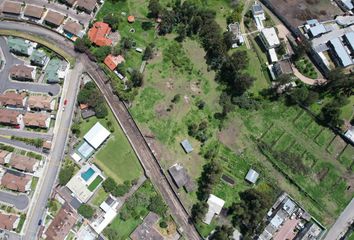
252, 176
187, 146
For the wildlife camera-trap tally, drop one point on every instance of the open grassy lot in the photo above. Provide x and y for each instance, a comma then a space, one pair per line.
347, 157
116, 157
99, 197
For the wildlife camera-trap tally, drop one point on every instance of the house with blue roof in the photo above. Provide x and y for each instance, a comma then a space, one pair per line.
339, 52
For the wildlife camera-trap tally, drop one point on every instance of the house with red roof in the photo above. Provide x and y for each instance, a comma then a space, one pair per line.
113, 61
98, 34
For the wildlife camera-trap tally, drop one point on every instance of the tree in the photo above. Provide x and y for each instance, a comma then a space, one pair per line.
249, 212
113, 20
86, 211
148, 53
65, 174
147, 25
163, 224
330, 114
222, 233
228, 39
127, 43
120, 190
100, 53
101, 109
157, 205
154, 8
182, 32
82, 44
109, 185
199, 210
137, 78
211, 173
75, 128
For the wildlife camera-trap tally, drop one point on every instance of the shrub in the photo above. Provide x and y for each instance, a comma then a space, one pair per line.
86, 211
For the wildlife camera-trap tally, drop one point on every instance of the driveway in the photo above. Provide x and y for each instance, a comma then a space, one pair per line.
6, 83
19, 201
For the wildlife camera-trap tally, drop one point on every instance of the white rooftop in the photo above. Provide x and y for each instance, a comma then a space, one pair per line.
96, 135
271, 36
252, 176
107, 216
350, 133
76, 157
273, 55
276, 221
215, 207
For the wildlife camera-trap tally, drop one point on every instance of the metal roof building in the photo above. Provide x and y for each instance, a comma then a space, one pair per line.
96, 135
252, 176
215, 206
340, 52
349, 39
187, 146
317, 30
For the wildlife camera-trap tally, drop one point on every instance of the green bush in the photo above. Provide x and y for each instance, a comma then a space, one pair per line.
86, 211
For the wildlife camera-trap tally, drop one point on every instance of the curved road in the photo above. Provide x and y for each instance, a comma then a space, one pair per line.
6, 83
128, 125
19, 201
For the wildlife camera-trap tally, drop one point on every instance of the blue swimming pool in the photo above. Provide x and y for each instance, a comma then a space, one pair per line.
88, 174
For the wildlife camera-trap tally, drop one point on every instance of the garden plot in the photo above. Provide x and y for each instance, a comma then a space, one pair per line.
284, 142
347, 157
303, 121
325, 137
273, 135
336, 146
313, 130
292, 113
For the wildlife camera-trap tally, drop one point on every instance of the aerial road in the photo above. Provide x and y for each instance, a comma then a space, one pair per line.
128, 125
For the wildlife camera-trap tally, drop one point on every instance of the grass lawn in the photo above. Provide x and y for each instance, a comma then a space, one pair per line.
116, 157
99, 197
124, 228
34, 183
305, 66
351, 237
21, 223
95, 183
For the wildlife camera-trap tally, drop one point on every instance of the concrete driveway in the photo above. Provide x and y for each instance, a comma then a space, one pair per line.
6, 83
19, 201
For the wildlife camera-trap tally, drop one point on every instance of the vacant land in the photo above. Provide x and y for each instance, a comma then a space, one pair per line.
297, 12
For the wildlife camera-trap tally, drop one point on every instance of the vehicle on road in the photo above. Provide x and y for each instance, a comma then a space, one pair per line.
40, 222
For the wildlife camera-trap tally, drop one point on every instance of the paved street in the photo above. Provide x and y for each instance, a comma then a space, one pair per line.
25, 134
136, 139
340, 227
20, 144
19, 201
6, 83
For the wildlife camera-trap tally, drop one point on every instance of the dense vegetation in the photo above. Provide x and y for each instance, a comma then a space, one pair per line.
90, 95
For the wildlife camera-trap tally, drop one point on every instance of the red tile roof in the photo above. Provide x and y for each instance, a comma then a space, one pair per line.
8, 221
23, 163
9, 116
35, 119
113, 61
14, 182
98, 34
12, 99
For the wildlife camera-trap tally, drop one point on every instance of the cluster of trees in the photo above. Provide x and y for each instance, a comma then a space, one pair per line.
112, 20
223, 232
249, 212
66, 173
142, 201
199, 131
331, 112
117, 190
86, 211
90, 95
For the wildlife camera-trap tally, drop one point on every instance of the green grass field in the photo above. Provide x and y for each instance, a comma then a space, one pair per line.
95, 183
99, 197
116, 157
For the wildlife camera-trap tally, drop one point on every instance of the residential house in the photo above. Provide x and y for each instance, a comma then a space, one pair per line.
10, 117
24, 163
98, 34
40, 102
187, 146
33, 12
215, 206
54, 19
269, 38
38, 58
339, 53
237, 38
9, 221
22, 73
72, 28
252, 176
258, 15
146, 229
88, 6
5, 157
16, 182
113, 61
87, 113
51, 73
108, 211
13, 100
19, 46
282, 67
181, 178
12, 8
61, 225
36, 120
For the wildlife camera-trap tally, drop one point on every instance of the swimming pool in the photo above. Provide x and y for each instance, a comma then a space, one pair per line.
88, 174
